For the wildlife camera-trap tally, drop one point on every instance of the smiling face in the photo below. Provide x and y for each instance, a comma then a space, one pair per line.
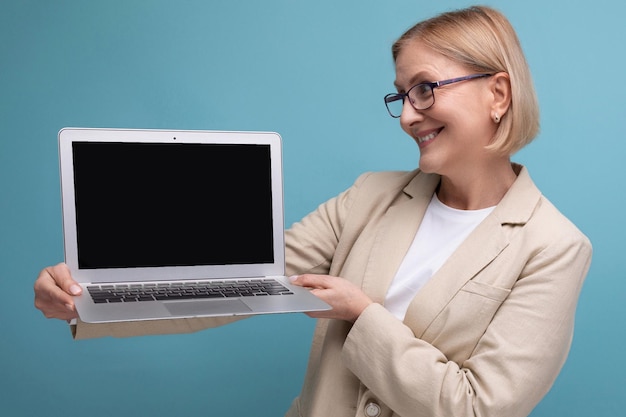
453, 133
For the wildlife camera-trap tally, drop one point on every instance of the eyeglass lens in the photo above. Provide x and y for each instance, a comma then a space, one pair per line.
421, 97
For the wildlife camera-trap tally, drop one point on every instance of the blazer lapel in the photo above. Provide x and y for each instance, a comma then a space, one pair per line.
395, 235
484, 244
478, 250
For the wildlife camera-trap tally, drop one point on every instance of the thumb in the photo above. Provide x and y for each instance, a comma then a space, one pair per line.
63, 278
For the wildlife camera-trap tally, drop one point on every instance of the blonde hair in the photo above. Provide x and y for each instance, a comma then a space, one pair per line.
483, 40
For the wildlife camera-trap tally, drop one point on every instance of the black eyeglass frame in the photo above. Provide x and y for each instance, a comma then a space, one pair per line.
390, 98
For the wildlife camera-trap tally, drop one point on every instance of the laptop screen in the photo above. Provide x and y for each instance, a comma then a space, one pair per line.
172, 204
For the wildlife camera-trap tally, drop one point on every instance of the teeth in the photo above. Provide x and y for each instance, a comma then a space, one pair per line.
427, 137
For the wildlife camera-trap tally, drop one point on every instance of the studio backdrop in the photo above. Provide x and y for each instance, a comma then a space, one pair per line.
315, 72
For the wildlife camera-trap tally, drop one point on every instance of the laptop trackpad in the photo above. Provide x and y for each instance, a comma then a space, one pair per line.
206, 307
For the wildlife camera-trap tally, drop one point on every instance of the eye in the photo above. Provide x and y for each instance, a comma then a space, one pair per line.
422, 90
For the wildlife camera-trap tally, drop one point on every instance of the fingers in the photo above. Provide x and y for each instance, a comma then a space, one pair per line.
311, 281
54, 289
347, 300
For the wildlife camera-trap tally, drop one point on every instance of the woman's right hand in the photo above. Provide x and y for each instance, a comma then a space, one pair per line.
54, 291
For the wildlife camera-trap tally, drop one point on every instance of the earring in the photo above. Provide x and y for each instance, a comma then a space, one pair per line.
496, 118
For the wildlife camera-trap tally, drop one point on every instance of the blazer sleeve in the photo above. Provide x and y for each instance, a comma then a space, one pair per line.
512, 367
311, 244
82, 330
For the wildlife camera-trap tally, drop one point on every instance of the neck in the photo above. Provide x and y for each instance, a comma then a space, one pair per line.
479, 188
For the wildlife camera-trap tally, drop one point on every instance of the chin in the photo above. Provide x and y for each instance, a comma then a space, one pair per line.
426, 168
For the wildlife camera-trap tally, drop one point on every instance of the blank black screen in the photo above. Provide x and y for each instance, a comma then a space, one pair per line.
172, 204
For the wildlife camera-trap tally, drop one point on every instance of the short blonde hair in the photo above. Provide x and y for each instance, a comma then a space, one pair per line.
483, 40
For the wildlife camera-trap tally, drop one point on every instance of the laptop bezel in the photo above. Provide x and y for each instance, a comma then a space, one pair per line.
67, 136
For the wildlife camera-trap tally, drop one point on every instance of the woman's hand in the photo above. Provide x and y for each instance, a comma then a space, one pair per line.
346, 299
54, 291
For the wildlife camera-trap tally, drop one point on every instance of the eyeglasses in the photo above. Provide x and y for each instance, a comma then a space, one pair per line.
421, 96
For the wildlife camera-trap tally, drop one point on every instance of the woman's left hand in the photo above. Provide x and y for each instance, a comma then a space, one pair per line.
346, 299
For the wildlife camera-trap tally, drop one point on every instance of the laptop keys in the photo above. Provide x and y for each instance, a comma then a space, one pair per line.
184, 291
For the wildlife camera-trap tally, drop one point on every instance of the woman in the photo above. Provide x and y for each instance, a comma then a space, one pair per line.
453, 287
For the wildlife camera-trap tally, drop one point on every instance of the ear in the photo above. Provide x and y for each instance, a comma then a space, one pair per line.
500, 84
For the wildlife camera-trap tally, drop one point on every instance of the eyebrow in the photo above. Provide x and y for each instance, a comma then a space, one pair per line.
424, 75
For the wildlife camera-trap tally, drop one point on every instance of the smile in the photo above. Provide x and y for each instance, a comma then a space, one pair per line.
428, 137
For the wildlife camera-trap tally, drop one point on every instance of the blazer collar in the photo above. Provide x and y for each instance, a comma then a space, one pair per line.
490, 237
516, 206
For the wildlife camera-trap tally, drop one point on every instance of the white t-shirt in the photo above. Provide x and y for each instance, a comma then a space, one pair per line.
441, 232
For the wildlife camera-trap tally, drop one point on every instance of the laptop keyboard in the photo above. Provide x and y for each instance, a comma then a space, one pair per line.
124, 293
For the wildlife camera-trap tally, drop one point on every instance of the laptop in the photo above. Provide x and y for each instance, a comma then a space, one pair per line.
162, 224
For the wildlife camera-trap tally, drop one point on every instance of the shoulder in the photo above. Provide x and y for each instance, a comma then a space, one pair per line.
374, 185
375, 191
525, 205
385, 179
555, 226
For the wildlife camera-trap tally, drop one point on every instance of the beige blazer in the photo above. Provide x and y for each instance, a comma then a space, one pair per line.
486, 336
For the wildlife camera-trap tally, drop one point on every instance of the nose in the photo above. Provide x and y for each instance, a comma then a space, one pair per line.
409, 114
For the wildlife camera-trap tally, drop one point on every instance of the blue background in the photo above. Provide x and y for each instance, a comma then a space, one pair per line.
316, 72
